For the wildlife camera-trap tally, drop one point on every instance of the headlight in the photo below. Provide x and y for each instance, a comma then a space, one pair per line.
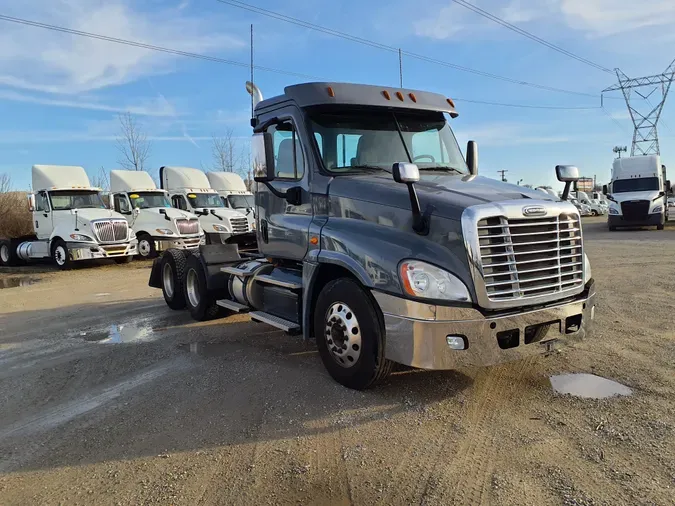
164, 231
81, 237
202, 239
613, 211
426, 281
253, 225
657, 209
132, 235
220, 228
587, 269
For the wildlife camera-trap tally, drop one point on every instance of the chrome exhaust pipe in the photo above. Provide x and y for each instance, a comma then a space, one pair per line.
255, 92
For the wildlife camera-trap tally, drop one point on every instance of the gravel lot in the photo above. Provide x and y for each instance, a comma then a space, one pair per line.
109, 397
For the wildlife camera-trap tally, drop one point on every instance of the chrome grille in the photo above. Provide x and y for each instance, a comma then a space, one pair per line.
239, 225
111, 230
530, 257
187, 227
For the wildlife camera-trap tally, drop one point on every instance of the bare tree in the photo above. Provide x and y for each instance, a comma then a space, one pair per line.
132, 144
100, 179
227, 155
5, 183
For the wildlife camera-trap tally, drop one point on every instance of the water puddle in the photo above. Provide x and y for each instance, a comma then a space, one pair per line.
18, 281
125, 333
588, 386
206, 349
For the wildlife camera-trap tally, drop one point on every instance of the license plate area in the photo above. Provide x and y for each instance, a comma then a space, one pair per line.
536, 333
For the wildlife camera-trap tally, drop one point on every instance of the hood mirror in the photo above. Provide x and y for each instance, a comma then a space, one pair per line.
472, 157
567, 174
406, 173
136, 212
409, 174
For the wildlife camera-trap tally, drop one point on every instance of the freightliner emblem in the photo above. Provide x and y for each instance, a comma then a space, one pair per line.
534, 211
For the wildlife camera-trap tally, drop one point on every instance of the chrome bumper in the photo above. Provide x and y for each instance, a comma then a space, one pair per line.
88, 251
163, 244
417, 333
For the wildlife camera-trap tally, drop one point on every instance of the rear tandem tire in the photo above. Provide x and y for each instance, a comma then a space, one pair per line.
199, 300
6, 253
172, 269
347, 324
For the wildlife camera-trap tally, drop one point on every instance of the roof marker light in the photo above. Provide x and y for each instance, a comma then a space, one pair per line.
331, 93
399, 95
452, 104
386, 95
412, 97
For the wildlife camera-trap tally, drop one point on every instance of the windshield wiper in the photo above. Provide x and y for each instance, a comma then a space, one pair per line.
443, 168
367, 167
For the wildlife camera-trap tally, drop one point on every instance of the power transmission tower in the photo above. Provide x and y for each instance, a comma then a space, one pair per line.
502, 172
645, 136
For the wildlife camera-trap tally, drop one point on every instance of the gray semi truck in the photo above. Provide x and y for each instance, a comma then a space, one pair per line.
378, 238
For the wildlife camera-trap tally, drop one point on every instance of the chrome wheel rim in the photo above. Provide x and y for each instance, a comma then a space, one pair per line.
4, 254
192, 287
60, 255
144, 247
343, 334
167, 279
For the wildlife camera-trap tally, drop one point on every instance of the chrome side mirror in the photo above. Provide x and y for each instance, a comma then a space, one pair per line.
405, 172
567, 173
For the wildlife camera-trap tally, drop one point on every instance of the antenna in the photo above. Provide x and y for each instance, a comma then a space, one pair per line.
252, 81
400, 68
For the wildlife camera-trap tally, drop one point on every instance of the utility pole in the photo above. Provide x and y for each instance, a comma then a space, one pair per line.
400, 68
619, 149
503, 172
645, 136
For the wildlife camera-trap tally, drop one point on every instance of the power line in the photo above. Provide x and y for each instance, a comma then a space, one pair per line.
526, 106
525, 33
385, 47
149, 46
613, 119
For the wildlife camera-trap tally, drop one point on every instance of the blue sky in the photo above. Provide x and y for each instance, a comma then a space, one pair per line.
60, 94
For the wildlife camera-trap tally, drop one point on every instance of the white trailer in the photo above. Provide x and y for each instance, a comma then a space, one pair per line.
147, 209
234, 194
70, 222
190, 190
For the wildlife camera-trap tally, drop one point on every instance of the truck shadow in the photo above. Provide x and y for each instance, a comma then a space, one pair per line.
213, 385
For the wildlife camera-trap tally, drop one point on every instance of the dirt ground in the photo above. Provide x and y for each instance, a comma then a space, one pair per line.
109, 397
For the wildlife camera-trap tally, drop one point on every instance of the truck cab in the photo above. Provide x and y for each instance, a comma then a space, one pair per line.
234, 194
378, 238
157, 225
189, 189
637, 193
71, 222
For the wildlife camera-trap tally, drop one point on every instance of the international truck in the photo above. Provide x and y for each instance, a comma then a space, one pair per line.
189, 189
71, 222
234, 194
157, 225
378, 239
637, 193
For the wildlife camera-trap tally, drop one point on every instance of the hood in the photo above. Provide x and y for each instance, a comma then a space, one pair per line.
171, 212
448, 195
225, 213
97, 214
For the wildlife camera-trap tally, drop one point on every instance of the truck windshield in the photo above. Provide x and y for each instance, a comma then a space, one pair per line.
64, 200
205, 200
147, 200
376, 139
241, 201
639, 184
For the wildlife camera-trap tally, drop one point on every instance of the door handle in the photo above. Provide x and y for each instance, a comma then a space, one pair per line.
36, 224
264, 231
45, 215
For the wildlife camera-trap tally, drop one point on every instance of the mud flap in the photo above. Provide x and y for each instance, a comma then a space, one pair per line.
156, 273
215, 256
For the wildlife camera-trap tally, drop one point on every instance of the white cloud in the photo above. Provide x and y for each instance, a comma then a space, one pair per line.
500, 134
41, 60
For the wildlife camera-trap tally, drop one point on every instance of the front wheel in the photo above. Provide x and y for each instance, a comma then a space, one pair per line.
146, 246
60, 255
350, 335
124, 260
5, 253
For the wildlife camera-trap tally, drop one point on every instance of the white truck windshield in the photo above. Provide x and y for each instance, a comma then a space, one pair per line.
148, 200
639, 184
360, 140
241, 201
205, 200
64, 200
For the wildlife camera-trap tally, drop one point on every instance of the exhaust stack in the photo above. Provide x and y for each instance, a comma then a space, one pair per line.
255, 92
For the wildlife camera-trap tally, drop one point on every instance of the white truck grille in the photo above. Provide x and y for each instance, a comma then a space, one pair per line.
111, 230
530, 257
187, 227
239, 225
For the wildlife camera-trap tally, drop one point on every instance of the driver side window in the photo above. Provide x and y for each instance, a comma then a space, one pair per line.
178, 201
41, 202
121, 204
288, 155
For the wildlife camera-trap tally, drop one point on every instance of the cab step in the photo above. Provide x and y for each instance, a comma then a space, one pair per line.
232, 306
289, 282
275, 321
236, 271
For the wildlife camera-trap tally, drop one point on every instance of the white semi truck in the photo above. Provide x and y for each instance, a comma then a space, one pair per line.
190, 190
70, 221
147, 209
234, 194
637, 193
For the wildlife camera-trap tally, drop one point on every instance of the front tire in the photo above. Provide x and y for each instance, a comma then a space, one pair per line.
199, 300
6, 257
146, 246
60, 255
172, 269
350, 335
612, 229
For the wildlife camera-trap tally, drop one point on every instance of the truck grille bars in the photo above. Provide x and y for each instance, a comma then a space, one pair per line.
111, 230
187, 227
239, 225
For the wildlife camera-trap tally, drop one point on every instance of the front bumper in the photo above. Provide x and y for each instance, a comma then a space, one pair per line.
416, 333
217, 237
90, 251
614, 220
186, 243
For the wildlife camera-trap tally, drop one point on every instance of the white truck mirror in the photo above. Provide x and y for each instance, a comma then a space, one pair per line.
31, 202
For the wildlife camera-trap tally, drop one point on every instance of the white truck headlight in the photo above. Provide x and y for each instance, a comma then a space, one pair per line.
220, 228
587, 269
426, 281
613, 210
657, 209
164, 231
81, 237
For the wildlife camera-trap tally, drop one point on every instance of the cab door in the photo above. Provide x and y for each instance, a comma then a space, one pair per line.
283, 223
42, 216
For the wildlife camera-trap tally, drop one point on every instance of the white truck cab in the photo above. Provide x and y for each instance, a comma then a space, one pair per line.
233, 193
71, 222
157, 225
189, 189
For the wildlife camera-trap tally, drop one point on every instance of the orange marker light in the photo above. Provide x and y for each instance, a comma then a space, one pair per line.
399, 95
314, 240
452, 104
386, 95
331, 93
412, 97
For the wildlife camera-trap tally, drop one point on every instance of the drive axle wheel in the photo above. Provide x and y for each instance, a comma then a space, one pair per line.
199, 300
349, 332
172, 267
